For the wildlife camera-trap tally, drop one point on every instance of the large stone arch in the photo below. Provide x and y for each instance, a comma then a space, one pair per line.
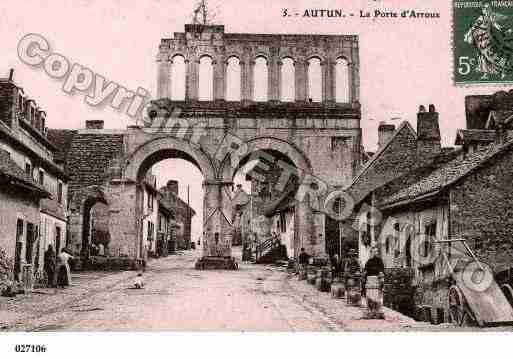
138, 159
232, 161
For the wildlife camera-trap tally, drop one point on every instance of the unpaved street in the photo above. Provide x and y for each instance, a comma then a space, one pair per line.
178, 297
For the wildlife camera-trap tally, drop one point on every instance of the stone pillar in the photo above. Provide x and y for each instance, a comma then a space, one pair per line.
217, 237
164, 79
125, 210
191, 78
331, 81
251, 80
354, 84
304, 227
225, 78
219, 79
301, 80
273, 75
327, 78
279, 65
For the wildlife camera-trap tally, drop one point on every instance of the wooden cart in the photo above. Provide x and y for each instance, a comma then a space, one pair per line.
484, 307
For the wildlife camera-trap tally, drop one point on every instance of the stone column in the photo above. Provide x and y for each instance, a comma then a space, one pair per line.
251, 80
279, 65
326, 81
331, 81
354, 84
191, 78
217, 237
304, 227
164, 78
301, 80
219, 79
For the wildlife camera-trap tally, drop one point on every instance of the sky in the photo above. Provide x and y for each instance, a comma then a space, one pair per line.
403, 62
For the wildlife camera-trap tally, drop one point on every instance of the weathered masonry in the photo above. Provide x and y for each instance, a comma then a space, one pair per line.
319, 134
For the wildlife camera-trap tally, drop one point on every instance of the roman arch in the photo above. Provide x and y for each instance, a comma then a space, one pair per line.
315, 132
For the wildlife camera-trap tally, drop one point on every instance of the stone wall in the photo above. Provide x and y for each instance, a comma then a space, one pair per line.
482, 211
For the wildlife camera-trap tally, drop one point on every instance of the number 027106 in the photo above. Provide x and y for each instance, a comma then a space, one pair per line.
30, 348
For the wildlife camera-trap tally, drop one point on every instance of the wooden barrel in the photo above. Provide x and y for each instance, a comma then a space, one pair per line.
322, 285
374, 296
310, 278
337, 290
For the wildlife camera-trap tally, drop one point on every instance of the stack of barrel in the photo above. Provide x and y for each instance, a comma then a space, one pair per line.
398, 290
323, 279
311, 275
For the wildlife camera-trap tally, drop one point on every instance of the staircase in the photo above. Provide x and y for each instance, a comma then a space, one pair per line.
268, 252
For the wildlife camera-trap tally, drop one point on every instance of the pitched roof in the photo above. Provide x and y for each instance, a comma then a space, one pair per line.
445, 175
466, 136
18, 177
361, 186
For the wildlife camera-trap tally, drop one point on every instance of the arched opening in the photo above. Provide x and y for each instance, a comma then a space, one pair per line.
178, 71
287, 80
264, 200
206, 79
233, 79
170, 202
342, 81
314, 80
260, 79
94, 219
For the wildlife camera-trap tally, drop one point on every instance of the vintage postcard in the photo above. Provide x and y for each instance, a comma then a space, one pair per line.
237, 166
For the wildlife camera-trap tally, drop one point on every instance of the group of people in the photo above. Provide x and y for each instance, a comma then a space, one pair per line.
57, 267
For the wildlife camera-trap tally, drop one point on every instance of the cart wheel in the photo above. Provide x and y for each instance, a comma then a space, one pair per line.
457, 309
508, 293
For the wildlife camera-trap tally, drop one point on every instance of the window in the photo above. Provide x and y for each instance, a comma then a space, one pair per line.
314, 80
30, 242
59, 192
28, 169
429, 236
150, 200
150, 230
342, 81
283, 222
178, 71
288, 80
41, 177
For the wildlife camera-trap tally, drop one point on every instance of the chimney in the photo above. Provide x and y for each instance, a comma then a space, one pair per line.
94, 124
385, 132
172, 186
11, 74
428, 134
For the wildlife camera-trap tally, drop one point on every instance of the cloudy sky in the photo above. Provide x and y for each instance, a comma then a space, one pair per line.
404, 62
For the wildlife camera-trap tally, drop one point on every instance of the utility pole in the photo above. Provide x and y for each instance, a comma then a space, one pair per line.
189, 216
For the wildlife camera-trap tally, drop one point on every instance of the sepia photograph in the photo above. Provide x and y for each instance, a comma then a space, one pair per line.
171, 171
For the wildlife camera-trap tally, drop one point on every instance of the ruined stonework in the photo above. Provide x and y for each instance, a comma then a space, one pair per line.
321, 139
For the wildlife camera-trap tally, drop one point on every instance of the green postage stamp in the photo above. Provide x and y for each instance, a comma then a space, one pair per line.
483, 41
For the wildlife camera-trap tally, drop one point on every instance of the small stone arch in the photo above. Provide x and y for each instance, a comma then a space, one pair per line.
80, 206
175, 54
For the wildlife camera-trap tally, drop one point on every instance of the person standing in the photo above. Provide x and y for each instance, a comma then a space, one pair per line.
63, 272
49, 265
336, 267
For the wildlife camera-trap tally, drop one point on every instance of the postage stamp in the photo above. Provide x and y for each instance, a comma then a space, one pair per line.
483, 41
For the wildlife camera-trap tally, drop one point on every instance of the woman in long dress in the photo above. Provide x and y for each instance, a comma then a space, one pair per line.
63, 272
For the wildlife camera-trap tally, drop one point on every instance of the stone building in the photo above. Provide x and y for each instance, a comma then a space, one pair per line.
34, 184
181, 214
447, 194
